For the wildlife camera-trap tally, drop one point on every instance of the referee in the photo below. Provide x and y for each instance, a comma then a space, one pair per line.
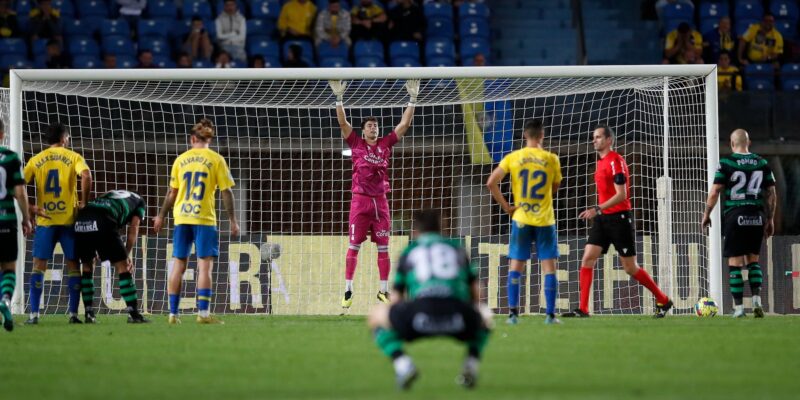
613, 224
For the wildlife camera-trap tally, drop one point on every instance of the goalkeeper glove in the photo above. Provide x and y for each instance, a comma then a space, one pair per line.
412, 86
338, 89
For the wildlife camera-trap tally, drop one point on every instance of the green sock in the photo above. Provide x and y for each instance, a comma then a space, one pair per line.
87, 290
737, 284
128, 290
755, 277
8, 284
475, 346
388, 341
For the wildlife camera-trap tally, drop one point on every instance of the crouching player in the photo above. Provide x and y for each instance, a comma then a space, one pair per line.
435, 294
97, 233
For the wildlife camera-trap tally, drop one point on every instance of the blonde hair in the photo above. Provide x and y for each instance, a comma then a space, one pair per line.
203, 129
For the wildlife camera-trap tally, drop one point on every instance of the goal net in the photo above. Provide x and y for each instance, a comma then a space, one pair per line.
278, 131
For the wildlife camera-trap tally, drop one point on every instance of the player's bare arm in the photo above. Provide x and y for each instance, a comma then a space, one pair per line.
86, 187
711, 202
21, 194
396, 296
620, 194
412, 87
130, 239
493, 184
230, 209
770, 201
169, 201
338, 88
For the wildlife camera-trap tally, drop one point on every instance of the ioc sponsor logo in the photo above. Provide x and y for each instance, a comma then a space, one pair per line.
55, 206
530, 207
193, 209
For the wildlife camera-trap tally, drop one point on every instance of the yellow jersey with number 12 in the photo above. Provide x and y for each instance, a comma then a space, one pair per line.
55, 172
197, 174
533, 172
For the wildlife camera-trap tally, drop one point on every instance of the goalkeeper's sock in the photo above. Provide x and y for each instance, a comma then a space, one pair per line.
74, 287
513, 290
87, 290
550, 291
351, 261
384, 286
647, 281
36, 283
389, 342
174, 302
585, 279
383, 263
203, 300
475, 346
348, 285
755, 277
737, 285
127, 289
7, 285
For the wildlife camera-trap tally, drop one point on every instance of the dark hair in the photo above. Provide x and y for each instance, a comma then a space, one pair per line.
196, 18
142, 51
257, 57
607, 132
684, 27
368, 119
53, 42
55, 132
534, 128
203, 129
725, 52
428, 220
768, 14
2, 126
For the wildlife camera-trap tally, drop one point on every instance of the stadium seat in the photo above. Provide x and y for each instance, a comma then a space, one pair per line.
716, 9
470, 47
741, 26
334, 62
474, 27
84, 47
265, 9
220, 4
473, 10
39, 46
748, 9
13, 46
403, 49
405, 62
115, 27
24, 7
80, 27
118, 45
440, 27
152, 27
441, 61
200, 8
272, 62
308, 49
439, 48
163, 61
672, 24
758, 70
677, 11
785, 10
364, 48
788, 29
126, 61
708, 25
260, 27
790, 85
791, 70
760, 83
262, 46
8, 61
158, 45
325, 50
162, 9
92, 8
370, 62
65, 7
436, 9
86, 61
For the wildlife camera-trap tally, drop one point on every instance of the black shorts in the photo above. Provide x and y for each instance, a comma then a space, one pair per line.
8, 244
431, 317
743, 231
96, 233
616, 229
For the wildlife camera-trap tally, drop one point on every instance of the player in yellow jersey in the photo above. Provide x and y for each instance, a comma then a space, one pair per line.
196, 175
535, 177
55, 172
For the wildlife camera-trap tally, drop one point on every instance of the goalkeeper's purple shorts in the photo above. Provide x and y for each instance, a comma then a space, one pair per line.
370, 215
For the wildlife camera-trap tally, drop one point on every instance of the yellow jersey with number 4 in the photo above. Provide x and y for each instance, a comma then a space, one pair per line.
55, 173
533, 172
197, 174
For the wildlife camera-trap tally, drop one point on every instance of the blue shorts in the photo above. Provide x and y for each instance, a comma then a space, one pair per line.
46, 237
523, 236
204, 237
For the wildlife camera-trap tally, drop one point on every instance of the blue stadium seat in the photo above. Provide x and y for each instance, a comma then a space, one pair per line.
200, 63
470, 47
92, 8
403, 48
788, 29
439, 48
152, 27
334, 62
118, 45
39, 46
440, 27
677, 11
272, 62
748, 9
325, 50
79, 27
65, 7
158, 45
200, 8
115, 27
438, 10
790, 85
162, 9
708, 25
473, 10
8, 61
760, 83
86, 61
672, 24
13, 46
262, 46
785, 10
791, 70
84, 47
474, 27
260, 27
24, 8
126, 61
364, 48
758, 70
715, 9
405, 62
441, 62
308, 49
163, 61
220, 4
370, 62
741, 26
265, 9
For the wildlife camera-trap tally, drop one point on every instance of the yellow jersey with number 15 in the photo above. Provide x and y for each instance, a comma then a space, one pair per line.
55, 172
197, 174
533, 172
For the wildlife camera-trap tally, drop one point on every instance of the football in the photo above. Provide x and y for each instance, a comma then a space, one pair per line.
706, 307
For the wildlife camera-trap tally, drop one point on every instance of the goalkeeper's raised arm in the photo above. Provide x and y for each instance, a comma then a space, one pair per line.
412, 86
338, 88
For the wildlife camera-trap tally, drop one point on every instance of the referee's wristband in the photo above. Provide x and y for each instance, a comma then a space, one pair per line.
598, 209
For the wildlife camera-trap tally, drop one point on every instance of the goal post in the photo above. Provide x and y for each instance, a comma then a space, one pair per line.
277, 129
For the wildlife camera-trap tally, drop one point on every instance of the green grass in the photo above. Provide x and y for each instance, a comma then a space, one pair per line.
333, 357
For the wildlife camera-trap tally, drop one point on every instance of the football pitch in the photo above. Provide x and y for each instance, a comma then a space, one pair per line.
273, 357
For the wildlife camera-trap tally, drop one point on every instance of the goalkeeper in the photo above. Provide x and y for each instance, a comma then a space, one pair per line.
435, 294
369, 208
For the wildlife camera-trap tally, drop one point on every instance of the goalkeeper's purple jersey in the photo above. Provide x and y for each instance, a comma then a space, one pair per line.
371, 164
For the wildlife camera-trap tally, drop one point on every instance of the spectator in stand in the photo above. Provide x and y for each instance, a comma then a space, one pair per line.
690, 56
183, 61
45, 22
333, 25
678, 41
223, 60
258, 62
131, 11
146, 59
406, 22
369, 21
296, 19
719, 40
295, 58
232, 31
764, 44
197, 42
728, 76
9, 26
55, 59
110, 61
479, 60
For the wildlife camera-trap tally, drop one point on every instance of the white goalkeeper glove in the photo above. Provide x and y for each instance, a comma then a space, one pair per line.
412, 86
338, 89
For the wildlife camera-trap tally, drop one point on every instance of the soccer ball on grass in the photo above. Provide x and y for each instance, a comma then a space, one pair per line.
706, 307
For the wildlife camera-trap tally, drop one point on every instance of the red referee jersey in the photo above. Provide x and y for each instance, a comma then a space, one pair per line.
608, 169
